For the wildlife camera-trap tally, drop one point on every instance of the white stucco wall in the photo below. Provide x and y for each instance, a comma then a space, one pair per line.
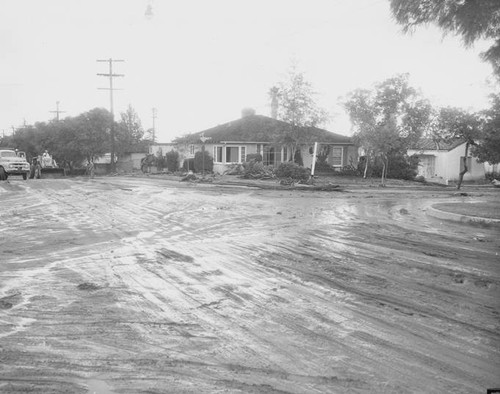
447, 164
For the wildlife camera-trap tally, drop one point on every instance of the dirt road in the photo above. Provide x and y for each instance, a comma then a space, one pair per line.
122, 285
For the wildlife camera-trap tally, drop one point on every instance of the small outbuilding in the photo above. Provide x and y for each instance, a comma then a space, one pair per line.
443, 161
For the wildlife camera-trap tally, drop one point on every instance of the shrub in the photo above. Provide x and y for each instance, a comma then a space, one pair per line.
254, 157
490, 176
188, 165
401, 166
294, 171
297, 158
349, 171
160, 161
203, 162
322, 165
256, 169
172, 161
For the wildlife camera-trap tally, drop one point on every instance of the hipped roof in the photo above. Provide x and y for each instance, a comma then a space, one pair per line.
259, 128
430, 144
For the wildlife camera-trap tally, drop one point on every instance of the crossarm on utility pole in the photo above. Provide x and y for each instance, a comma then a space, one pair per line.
111, 75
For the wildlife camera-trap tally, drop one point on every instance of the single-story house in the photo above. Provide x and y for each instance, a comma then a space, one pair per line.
129, 161
230, 143
161, 148
442, 161
124, 162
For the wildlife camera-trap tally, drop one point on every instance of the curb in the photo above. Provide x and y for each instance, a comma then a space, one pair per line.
456, 217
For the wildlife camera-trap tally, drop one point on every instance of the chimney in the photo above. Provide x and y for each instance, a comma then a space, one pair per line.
247, 112
273, 93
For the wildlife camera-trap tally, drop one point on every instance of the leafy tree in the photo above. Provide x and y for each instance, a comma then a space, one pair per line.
456, 123
90, 134
297, 106
129, 132
471, 19
488, 148
26, 139
73, 140
388, 119
64, 143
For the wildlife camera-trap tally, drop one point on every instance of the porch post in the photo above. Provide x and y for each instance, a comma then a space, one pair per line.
314, 158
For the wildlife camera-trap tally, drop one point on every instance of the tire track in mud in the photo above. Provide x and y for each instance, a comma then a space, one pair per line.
203, 291
183, 296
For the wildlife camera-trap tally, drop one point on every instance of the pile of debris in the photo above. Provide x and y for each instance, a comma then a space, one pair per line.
257, 170
190, 177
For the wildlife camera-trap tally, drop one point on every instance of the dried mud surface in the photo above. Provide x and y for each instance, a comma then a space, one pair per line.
119, 285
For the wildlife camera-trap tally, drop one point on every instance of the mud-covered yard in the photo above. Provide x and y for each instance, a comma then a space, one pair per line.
130, 285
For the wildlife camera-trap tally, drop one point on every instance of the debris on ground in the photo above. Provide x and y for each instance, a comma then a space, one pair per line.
88, 286
8, 301
257, 170
189, 177
320, 188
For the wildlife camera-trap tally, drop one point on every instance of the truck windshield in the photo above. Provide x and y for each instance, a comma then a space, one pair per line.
8, 154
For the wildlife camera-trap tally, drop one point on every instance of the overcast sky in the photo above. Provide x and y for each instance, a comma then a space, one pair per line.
199, 62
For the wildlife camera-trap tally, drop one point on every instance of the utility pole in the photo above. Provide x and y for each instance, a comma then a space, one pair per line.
154, 126
111, 89
57, 111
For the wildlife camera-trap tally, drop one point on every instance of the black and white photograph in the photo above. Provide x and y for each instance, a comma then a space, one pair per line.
262, 197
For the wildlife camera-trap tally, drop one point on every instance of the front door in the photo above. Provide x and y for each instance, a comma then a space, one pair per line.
426, 166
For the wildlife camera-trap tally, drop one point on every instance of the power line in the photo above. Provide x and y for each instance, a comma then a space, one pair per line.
154, 126
110, 75
57, 111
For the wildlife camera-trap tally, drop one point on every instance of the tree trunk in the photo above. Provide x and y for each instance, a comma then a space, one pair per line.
366, 166
384, 168
464, 161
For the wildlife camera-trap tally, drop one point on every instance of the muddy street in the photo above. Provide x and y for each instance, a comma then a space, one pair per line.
141, 285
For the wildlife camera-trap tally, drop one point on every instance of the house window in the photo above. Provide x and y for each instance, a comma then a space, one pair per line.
336, 156
232, 154
259, 149
243, 154
191, 150
271, 155
218, 154
285, 154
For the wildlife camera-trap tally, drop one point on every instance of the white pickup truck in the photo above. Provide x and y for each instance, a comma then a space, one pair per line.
13, 163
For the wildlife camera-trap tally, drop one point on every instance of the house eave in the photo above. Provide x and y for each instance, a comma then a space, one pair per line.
244, 142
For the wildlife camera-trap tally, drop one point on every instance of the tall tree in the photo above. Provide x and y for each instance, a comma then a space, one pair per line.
470, 19
129, 132
92, 132
132, 123
488, 148
455, 123
297, 106
388, 119
27, 139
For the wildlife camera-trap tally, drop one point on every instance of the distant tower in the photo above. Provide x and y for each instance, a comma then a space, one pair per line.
273, 93
149, 10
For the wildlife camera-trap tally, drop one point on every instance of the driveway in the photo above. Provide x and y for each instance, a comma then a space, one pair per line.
140, 285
